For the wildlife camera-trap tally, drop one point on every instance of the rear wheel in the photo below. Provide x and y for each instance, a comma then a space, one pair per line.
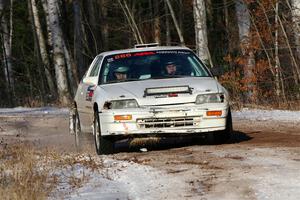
75, 127
103, 144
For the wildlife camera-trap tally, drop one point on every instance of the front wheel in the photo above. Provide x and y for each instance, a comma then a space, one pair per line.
103, 144
221, 137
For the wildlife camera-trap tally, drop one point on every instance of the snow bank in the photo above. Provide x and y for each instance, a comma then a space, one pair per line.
21, 111
267, 115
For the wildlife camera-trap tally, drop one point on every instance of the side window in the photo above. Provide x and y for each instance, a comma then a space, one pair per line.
95, 69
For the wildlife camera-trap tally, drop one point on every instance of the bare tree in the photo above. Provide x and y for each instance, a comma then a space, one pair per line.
156, 22
276, 69
78, 46
58, 52
179, 32
94, 35
168, 34
244, 23
42, 46
49, 35
295, 9
103, 22
201, 31
277, 62
131, 21
295, 69
6, 36
71, 69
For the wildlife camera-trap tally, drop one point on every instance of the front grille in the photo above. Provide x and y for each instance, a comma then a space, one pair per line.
165, 122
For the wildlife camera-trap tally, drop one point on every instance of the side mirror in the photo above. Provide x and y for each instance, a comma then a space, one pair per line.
217, 71
90, 80
84, 80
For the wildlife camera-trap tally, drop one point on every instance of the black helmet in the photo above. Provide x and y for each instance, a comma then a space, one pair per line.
121, 69
170, 63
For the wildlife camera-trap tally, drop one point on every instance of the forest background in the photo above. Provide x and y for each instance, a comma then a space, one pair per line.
47, 45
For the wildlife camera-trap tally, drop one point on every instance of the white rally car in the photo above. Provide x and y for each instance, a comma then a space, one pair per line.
149, 90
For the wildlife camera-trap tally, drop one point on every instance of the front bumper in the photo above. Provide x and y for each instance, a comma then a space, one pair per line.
181, 120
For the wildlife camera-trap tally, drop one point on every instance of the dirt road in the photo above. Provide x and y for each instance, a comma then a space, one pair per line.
261, 161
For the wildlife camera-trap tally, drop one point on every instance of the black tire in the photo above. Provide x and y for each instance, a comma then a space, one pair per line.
221, 137
103, 144
76, 128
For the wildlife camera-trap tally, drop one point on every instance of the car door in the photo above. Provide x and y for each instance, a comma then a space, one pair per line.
85, 109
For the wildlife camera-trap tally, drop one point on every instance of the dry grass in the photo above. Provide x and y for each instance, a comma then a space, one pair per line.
26, 173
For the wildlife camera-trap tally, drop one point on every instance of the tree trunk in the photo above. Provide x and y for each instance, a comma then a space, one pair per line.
168, 32
38, 61
295, 9
131, 21
58, 53
226, 13
104, 24
152, 15
296, 69
180, 14
42, 47
71, 70
277, 76
6, 35
244, 22
179, 32
201, 31
156, 23
94, 39
276, 70
130, 14
78, 46
49, 35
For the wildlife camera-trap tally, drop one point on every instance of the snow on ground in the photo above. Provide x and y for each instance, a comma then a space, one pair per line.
129, 180
279, 177
21, 111
95, 186
99, 188
245, 113
272, 173
145, 182
267, 115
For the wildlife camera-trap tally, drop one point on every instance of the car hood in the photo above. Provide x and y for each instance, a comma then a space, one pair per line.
136, 90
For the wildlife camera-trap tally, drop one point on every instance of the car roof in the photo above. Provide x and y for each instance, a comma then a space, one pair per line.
140, 49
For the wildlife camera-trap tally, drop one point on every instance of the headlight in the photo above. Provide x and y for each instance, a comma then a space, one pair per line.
210, 98
123, 104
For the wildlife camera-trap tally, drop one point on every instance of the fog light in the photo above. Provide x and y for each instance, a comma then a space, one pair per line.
217, 113
122, 117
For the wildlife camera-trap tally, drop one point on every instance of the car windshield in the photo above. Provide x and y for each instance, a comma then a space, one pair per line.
135, 66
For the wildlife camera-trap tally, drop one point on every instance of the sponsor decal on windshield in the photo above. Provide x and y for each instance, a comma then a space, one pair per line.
124, 55
128, 55
145, 53
173, 52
